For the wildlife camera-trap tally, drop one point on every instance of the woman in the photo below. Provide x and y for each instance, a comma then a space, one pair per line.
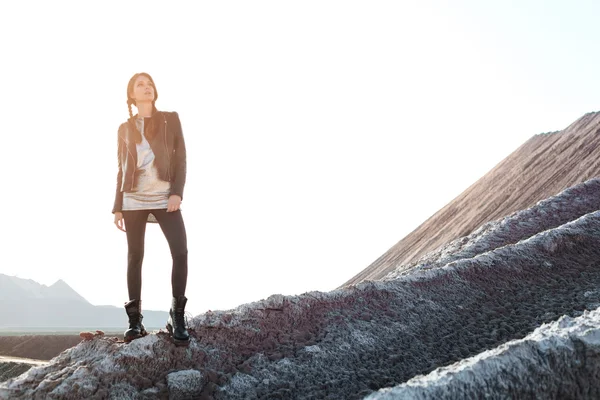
150, 181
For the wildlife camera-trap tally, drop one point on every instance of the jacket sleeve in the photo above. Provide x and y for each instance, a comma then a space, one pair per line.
118, 194
179, 162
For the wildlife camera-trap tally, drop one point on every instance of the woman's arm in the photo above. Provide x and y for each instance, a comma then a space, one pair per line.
179, 164
118, 194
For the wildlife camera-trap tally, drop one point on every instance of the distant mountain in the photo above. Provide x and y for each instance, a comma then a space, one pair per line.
25, 303
18, 288
60, 290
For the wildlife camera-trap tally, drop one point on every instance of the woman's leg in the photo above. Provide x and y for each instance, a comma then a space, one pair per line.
173, 227
135, 227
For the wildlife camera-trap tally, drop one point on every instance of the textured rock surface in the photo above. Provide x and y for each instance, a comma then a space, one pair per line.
347, 343
10, 369
561, 357
542, 167
546, 214
185, 384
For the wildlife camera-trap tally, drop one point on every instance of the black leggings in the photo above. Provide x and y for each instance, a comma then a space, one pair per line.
173, 227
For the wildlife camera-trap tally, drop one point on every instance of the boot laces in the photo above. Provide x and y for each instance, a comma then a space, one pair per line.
179, 318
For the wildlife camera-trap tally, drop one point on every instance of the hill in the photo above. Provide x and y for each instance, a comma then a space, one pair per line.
542, 167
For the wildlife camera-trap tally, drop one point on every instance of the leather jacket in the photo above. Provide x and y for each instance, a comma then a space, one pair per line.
168, 147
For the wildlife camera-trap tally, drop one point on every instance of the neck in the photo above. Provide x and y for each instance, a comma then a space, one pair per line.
144, 109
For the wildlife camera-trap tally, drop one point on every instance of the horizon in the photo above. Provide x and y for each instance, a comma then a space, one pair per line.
318, 135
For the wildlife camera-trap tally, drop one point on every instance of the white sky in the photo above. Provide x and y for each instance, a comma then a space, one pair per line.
319, 133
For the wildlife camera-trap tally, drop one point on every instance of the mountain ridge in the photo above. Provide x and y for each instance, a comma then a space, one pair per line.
32, 289
26, 304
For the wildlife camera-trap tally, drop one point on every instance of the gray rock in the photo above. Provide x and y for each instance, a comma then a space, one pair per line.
186, 384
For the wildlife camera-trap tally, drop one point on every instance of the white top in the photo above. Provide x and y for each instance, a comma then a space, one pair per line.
150, 192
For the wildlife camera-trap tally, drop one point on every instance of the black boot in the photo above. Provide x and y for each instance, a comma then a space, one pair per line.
176, 322
136, 328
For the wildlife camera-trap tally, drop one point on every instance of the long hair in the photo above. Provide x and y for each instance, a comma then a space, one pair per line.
149, 129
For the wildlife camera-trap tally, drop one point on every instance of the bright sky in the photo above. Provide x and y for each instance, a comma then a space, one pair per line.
318, 133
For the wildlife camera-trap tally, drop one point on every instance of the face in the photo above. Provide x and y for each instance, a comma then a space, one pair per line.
143, 90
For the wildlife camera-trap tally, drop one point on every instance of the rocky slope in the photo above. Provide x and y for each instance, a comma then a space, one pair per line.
15, 366
546, 214
11, 369
499, 284
516, 370
542, 167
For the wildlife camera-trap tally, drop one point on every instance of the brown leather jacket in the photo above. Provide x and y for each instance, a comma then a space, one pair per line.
168, 147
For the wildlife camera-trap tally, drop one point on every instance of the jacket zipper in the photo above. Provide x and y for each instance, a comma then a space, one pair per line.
167, 151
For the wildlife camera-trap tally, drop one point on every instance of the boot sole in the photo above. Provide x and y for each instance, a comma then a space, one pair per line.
177, 342
131, 338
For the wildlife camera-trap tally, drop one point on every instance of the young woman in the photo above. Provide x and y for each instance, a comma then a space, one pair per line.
150, 181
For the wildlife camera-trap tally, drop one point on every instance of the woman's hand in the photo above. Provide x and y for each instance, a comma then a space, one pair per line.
119, 221
174, 203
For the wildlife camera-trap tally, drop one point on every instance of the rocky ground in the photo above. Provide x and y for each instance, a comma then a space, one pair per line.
11, 369
569, 347
497, 285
